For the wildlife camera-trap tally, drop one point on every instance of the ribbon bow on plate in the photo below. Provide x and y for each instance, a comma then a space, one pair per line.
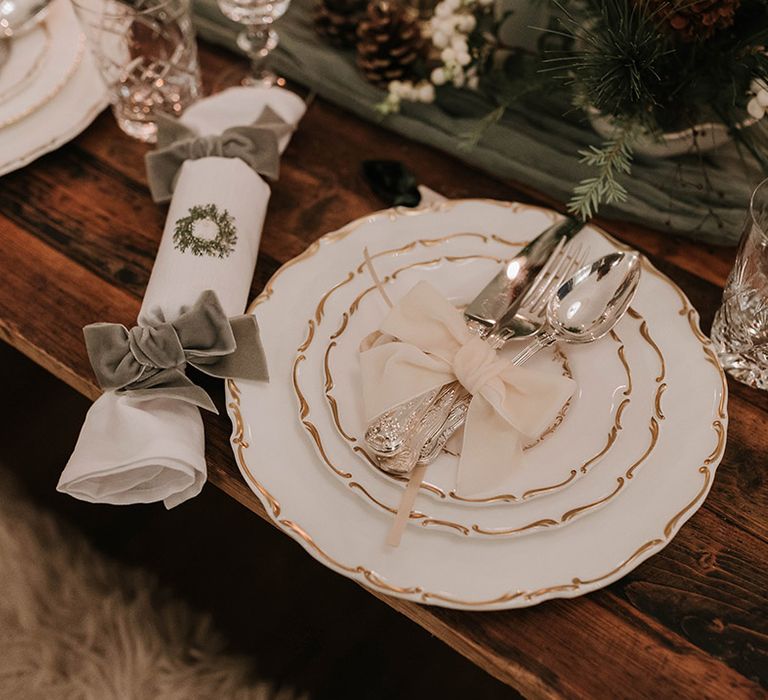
436, 348
256, 145
149, 360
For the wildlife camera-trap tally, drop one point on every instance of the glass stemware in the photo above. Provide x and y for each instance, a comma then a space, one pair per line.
258, 39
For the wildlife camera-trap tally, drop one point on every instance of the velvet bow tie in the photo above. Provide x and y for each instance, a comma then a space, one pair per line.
149, 360
434, 347
256, 145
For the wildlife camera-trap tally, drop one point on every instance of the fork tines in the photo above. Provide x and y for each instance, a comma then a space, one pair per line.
565, 262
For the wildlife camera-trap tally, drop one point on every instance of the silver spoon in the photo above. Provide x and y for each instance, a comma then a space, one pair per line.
584, 308
20, 15
588, 305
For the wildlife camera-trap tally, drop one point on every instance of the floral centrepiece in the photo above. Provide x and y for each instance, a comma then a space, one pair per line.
457, 52
654, 78
656, 66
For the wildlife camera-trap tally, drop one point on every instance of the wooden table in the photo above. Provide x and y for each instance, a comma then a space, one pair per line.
78, 235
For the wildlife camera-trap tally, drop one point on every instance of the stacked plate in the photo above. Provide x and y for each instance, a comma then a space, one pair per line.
50, 89
626, 461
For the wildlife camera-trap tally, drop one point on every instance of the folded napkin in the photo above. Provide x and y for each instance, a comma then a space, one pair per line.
434, 347
142, 440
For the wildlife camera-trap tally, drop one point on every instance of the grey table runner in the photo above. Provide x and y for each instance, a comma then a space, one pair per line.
533, 144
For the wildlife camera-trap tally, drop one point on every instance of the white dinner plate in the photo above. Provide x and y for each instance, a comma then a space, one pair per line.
25, 60
279, 460
64, 96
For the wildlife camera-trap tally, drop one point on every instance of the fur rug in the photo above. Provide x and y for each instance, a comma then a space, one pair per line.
76, 625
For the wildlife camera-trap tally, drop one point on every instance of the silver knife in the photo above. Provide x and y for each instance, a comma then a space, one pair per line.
387, 434
505, 292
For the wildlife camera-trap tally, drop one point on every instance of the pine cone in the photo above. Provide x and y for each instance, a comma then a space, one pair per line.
337, 21
389, 42
698, 21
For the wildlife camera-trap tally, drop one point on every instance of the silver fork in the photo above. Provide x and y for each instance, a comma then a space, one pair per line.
447, 414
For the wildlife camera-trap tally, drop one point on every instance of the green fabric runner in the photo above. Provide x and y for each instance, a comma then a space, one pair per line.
536, 146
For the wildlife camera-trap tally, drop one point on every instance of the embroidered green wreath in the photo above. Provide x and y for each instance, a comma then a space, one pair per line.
221, 246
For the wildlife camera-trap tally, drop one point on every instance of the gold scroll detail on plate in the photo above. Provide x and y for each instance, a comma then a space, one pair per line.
426, 520
417, 592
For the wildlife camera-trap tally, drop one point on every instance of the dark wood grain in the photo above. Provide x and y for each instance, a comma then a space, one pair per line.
79, 234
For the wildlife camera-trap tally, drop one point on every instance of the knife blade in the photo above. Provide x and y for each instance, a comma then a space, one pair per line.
503, 295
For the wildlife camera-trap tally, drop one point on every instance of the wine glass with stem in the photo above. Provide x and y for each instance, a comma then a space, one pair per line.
257, 40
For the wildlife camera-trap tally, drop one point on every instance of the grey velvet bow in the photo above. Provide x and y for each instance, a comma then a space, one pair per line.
257, 145
150, 360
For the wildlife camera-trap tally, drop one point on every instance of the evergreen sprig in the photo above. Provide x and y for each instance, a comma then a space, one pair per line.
627, 62
612, 160
618, 58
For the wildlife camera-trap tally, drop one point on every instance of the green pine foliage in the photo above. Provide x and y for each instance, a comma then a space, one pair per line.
623, 58
612, 159
617, 60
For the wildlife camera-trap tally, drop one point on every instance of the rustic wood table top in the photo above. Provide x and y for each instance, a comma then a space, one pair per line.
78, 236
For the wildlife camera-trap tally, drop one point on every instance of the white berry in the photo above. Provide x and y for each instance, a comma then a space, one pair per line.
438, 76
755, 109
427, 92
467, 23
440, 40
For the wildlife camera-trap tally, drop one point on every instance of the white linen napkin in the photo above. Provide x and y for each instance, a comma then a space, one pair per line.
134, 450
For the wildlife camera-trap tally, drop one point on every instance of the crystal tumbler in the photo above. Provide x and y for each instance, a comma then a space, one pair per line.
740, 328
146, 52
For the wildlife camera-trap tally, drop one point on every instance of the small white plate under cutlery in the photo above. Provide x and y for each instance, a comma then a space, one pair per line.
617, 387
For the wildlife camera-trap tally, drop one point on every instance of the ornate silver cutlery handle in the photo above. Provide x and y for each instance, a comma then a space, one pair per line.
436, 414
386, 435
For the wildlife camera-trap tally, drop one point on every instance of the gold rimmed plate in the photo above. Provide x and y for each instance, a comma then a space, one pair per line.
53, 94
280, 463
51, 68
585, 433
24, 60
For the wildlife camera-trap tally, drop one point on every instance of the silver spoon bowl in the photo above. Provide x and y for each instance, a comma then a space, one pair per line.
589, 304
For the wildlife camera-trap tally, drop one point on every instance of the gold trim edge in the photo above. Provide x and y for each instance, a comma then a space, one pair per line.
640, 554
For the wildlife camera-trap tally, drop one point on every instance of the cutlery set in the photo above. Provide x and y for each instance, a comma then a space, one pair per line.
545, 294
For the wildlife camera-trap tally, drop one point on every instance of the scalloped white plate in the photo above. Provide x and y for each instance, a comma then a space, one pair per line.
62, 101
279, 462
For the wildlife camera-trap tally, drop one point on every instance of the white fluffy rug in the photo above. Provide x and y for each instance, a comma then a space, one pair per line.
76, 625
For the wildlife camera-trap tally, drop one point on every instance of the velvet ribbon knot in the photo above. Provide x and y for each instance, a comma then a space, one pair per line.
256, 145
149, 360
434, 347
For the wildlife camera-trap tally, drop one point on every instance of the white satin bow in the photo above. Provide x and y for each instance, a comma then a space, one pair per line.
435, 348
